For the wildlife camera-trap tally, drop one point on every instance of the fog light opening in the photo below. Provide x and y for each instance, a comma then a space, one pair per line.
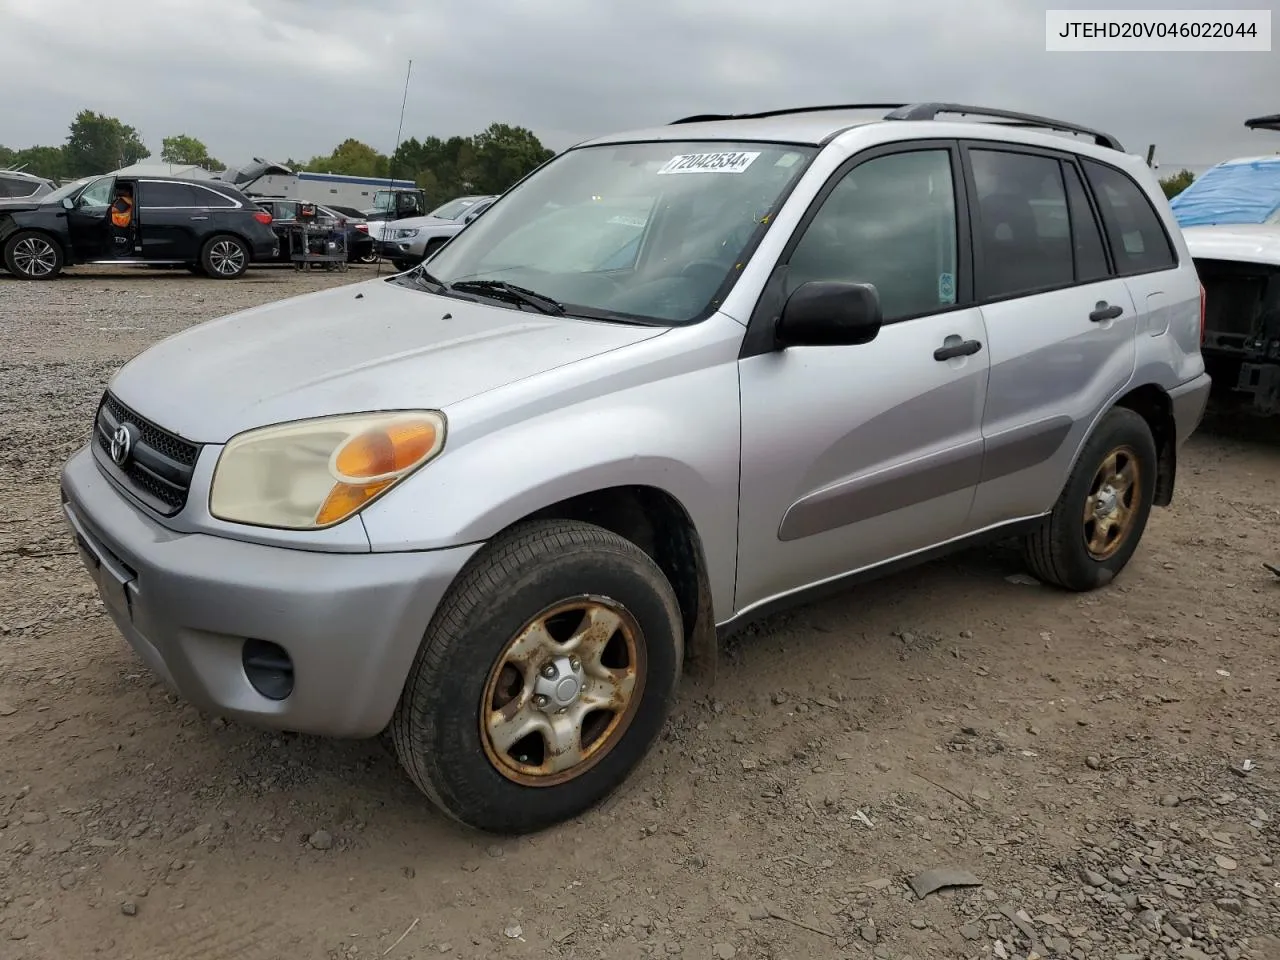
268, 668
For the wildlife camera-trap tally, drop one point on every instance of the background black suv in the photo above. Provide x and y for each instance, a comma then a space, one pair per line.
211, 227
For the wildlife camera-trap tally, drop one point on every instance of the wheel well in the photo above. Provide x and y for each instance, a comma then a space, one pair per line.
1153, 405
658, 524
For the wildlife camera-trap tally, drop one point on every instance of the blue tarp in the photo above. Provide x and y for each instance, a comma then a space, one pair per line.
1238, 191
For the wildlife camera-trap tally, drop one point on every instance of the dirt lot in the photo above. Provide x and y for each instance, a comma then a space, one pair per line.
1084, 757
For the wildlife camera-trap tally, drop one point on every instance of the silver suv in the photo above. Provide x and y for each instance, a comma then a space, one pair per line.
671, 381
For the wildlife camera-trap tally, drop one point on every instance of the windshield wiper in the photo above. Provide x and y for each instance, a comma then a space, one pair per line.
500, 289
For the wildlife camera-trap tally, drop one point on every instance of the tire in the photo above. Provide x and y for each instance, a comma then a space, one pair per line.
32, 255
224, 257
403, 265
1060, 552
521, 578
432, 246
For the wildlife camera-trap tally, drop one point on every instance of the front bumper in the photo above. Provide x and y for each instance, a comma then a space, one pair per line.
351, 623
394, 249
1188, 401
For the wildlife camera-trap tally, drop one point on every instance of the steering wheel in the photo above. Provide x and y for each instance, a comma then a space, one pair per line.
704, 263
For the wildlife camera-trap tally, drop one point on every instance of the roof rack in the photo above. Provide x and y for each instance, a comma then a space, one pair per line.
708, 117
1271, 122
930, 111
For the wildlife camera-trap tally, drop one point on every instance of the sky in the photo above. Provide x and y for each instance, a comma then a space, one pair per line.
293, 78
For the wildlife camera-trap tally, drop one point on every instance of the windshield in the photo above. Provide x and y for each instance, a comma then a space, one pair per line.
644, 230
454, 208
66, 190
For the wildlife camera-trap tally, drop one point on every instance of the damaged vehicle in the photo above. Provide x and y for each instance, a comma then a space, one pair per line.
209, 227
1230, 217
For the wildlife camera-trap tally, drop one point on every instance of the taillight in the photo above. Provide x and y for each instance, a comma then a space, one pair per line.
363, 228
1202, 299
263, 217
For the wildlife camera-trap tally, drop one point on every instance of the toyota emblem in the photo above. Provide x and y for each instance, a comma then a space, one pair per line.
121, 444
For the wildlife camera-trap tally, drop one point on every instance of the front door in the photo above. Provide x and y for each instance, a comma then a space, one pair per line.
89, 220
167, 220
854, 455
1061, 324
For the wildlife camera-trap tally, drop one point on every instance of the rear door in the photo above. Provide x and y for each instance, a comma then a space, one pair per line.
854, 455
1061, 323
167, 220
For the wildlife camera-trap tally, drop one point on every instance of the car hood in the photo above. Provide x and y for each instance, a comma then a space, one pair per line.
1248, 242
376, 345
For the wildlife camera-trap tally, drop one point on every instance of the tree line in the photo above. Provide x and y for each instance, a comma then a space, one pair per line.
486, 162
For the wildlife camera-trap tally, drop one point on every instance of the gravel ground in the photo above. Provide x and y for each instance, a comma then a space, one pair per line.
1102, 767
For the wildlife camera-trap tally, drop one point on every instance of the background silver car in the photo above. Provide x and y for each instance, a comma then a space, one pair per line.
408, 242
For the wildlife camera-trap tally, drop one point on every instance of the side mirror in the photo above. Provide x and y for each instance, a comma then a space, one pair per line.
829, 313
68, 203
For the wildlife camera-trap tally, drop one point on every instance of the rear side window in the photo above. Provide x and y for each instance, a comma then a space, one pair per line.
1086, 238
210, 198
1138, 241
1023, 229
156, 194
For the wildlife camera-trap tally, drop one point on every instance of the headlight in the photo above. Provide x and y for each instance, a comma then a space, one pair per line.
314, 473
406, 233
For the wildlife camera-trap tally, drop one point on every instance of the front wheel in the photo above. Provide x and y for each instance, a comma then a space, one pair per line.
31, 255
1103, 509
543, 680
225, 257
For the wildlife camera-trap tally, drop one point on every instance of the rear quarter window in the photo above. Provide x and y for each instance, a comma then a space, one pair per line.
1137, 237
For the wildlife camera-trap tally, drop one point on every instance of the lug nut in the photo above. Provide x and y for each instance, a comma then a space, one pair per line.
540, 700
575, 663
549, 671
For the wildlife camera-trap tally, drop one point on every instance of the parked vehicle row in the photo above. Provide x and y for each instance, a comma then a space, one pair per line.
675, 379
208, 225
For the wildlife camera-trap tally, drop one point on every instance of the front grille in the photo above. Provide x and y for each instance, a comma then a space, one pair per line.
158, 466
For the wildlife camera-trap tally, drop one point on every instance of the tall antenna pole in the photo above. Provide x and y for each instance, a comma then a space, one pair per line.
391, 161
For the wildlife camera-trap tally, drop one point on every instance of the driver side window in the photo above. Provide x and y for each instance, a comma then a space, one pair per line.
98, 193
891, 222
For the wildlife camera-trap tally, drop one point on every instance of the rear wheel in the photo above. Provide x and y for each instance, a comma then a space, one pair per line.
545, 677
225, 257
1103, 509
31, 255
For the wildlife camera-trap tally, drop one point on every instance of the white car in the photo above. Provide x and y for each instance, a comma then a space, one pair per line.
408, 242
1230, 216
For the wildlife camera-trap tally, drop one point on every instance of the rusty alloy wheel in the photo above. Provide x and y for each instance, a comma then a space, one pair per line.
563, 691
1112, 504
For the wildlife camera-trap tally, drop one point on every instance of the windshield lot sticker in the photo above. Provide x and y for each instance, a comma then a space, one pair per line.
735, 162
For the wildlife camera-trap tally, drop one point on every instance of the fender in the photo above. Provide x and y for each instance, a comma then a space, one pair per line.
641, 436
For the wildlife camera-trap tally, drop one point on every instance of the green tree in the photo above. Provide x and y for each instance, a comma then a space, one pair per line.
181, 148
7, 157
504, 154
353, 158
1175, 184
47, 162
98, 143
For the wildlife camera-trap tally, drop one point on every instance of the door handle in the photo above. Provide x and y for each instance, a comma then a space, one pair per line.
1105, 311
962, 348
199, 218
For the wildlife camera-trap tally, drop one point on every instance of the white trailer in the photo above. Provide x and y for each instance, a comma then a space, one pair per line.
261, 178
